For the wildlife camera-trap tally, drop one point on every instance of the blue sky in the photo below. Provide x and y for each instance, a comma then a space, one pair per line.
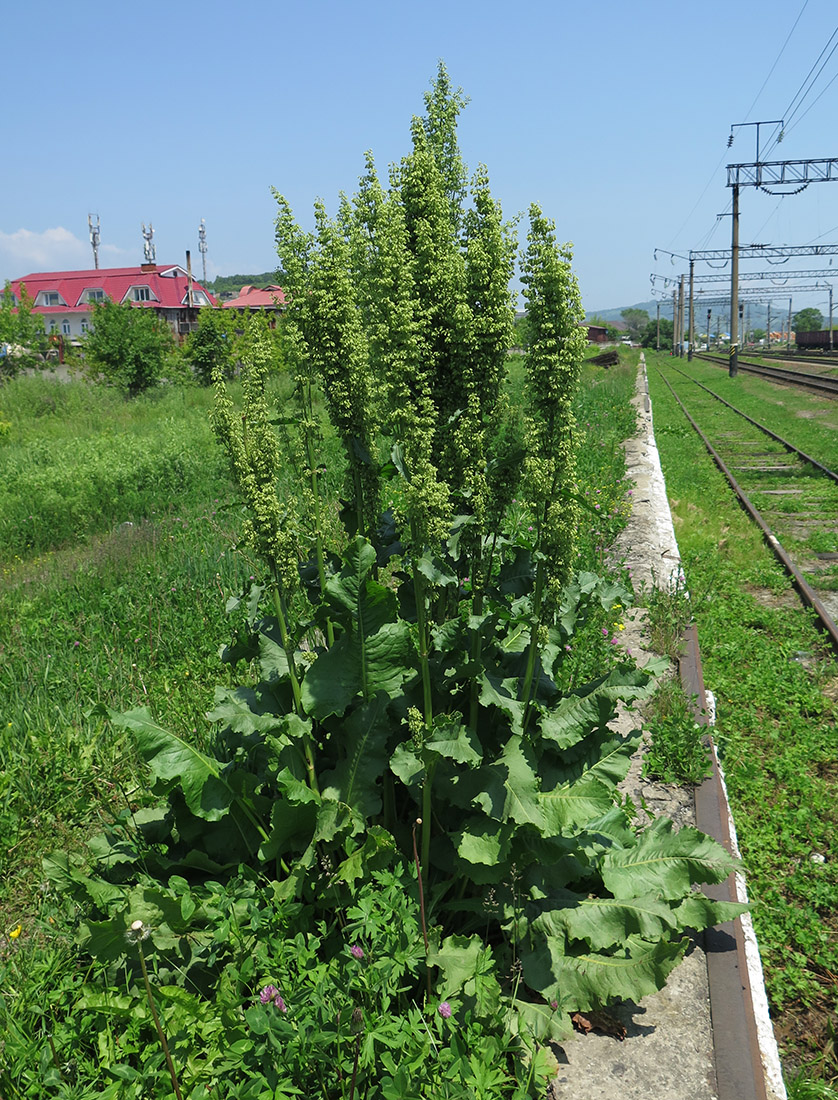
614, 116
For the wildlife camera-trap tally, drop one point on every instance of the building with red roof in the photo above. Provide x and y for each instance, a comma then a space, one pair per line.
258, 297
66, 298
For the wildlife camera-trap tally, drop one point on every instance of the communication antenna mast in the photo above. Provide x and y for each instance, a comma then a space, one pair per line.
94, 237
149, 249
202, 245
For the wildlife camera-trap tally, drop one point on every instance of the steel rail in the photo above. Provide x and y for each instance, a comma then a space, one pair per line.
806, 593
777, 438
826, 386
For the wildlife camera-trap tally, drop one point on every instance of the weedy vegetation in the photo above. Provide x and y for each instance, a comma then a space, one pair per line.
397, 860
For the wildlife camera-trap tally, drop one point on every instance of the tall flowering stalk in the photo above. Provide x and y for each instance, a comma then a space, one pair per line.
553, 363
271, 525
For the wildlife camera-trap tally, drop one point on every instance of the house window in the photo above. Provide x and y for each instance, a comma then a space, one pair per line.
50, 298
140, 294
94, 294
65, 328
85, 326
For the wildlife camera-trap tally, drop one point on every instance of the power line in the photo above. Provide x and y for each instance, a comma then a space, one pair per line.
779, 55
722, 158
803, 91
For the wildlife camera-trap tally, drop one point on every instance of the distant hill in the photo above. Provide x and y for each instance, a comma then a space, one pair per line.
757, 313
232, 284
615, 314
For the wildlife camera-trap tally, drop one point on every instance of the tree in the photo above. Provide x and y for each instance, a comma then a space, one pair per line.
636, 320
210, 346
21, 332
808, 320
130, 346
649, 336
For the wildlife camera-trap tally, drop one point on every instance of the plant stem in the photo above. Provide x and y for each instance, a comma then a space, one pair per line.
422, 904
526, 690
427, 698
157, 1024
279, 608
318, 530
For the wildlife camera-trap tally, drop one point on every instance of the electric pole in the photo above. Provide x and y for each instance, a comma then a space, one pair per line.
674, 319
658, 337
692, 326
733, 368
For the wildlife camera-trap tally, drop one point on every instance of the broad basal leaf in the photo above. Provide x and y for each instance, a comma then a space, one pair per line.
568, 808
359, 664
606, 922
172, 760
698, 911
453, 740
511, 787
585, 981
665, 862
540, 1020
496, 692
483, 841
242, 710
356, 780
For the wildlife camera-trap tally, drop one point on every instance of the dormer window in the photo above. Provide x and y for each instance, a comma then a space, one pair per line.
93, 294
198, 298
140, 294
49, 298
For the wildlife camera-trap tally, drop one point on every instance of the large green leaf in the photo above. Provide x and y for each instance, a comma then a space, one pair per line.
356, 779
501, 693
574, 717
375, 652
359, 664
605, 922
539, 1020
573, 805
665, 862
484, 841
172, 760
510, 786
467, 969
582, 982
244, 711
453, 740
698, 911
293, 817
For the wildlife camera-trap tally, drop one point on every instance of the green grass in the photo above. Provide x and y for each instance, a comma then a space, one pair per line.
777, 720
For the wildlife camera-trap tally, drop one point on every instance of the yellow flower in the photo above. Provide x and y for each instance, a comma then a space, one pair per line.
621, 626
14, 935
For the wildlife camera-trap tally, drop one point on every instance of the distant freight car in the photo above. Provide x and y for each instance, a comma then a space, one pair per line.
807, 340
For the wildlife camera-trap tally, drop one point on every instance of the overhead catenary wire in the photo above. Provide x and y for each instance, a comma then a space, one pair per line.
799, 97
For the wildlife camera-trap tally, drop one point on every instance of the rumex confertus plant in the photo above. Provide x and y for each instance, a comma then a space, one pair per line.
410, 674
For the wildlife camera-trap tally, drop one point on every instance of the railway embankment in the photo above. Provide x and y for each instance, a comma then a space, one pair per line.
771, 667
708, 1033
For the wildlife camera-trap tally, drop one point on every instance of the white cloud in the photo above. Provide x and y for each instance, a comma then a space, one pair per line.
23, 252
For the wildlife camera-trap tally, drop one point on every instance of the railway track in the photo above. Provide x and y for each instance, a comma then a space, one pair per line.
818, 383
790, 495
